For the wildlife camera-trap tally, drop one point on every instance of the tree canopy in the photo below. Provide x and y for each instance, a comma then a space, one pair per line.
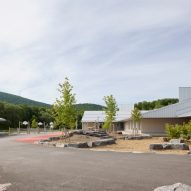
110, 111
15, 113
64, 107
136, 115
149, 105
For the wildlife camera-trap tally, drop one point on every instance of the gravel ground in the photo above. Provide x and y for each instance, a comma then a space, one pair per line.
139, 146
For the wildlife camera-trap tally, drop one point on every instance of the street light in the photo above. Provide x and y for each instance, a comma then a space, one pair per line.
25, 123
2, 120
51, 125
40, 123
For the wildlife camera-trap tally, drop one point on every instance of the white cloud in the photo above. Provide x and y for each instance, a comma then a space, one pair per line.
133, 49
20, 22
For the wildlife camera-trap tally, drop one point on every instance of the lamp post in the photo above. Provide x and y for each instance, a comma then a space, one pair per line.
39, 124
27, 124
2, 120
51, 125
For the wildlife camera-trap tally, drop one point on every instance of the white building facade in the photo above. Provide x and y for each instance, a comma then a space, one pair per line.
152, 121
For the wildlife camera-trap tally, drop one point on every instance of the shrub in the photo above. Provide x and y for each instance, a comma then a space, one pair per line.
173, 131
178, 131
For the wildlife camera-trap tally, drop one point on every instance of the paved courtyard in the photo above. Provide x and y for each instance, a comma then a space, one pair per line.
36, 168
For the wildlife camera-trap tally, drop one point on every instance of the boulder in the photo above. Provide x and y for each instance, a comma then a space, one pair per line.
43, 142
61, 145
177, 187
90, 144
78, 145
78, 132
156, 146
54, 138
105, 137
4, 187
180, 146
103, 142
137, 137
167, 146
176, 141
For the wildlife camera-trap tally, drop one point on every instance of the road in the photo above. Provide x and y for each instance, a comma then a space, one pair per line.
36, 168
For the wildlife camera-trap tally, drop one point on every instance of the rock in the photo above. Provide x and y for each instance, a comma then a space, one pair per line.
61, 145
95, 133
105, 137
133, 138
156, 146
189, 152
78, 132
54, 138
4, 187
90, 144
43, 141
176, 141
103, 142
78, 145
177, 187
137, 137
167, 146
180, 146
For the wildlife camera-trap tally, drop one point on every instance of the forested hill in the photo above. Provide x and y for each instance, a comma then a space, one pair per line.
146, 105
18, 100
89, 107
15, 108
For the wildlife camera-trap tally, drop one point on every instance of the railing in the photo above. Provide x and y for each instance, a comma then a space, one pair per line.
16, 131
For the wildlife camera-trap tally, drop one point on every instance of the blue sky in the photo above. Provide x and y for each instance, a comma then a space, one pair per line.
134, 49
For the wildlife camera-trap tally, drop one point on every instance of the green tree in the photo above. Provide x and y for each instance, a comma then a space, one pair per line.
45, 115
34, 123
155, 104
136, 117
64, 108
110, 111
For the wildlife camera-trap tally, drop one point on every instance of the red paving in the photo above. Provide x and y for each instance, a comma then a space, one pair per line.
38, 138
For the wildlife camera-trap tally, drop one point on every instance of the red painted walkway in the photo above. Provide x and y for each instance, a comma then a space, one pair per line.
39, 137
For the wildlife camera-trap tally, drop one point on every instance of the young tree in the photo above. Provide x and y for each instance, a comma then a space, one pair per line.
34, 123
136, 117
64, 108
110, 111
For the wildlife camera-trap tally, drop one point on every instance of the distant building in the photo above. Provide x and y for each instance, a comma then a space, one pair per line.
152, 121
95, 120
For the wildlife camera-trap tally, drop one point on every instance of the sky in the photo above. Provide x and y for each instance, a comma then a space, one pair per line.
134, 49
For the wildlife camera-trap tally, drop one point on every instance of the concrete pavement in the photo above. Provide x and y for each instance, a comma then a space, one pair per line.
36, 168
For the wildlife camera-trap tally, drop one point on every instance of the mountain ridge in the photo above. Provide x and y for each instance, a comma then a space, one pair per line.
19, 100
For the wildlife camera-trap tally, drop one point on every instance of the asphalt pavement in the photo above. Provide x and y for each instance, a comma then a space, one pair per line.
31, 167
